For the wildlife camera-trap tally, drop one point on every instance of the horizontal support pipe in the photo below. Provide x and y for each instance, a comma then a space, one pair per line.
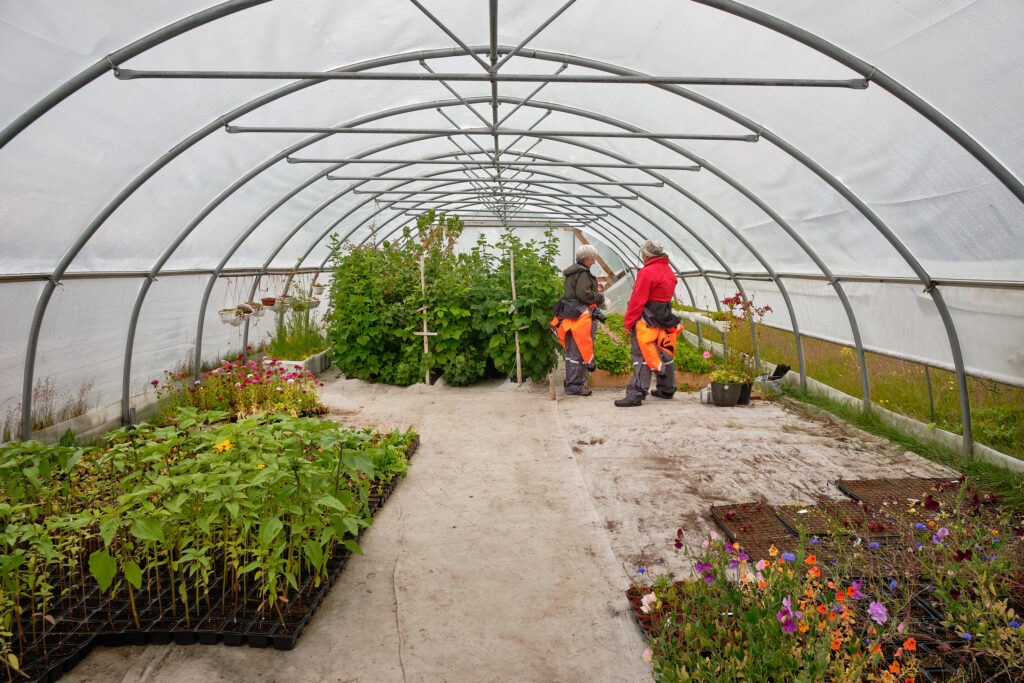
477, 164
515, 132
939, 282
509, 181
100, 275
495, 193
131, 74
515, 214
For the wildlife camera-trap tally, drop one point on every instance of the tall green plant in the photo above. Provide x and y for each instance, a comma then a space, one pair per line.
377, 305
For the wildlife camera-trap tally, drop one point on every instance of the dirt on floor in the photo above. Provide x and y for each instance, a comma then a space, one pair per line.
505, 553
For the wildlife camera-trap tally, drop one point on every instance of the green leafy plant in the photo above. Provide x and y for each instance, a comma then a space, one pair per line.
611, 356
377, 306
296, 337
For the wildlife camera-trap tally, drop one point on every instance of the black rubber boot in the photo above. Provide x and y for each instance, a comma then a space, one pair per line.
628, 402
659, 394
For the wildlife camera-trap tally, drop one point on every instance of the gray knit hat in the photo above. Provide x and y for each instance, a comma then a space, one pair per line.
652, 248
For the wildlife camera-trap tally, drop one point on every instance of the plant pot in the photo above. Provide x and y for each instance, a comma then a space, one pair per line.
227, 315
725, 394
268, 300
317, 290
744, 398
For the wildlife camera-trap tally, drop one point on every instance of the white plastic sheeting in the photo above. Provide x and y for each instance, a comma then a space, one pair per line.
117, 172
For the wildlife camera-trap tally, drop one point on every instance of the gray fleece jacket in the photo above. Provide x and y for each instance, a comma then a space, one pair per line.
581, 285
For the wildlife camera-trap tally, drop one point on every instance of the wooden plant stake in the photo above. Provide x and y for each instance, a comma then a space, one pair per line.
512, 269
423, 310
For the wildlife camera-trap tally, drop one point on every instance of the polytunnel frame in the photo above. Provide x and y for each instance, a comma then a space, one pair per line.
894, 87
582, 181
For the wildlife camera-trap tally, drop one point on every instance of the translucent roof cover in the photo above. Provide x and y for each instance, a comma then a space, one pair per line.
856, 165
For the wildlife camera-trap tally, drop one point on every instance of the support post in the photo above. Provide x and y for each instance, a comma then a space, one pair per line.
512, 271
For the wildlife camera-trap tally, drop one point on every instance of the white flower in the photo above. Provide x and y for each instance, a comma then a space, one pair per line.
291, 381
238, 384
249, 375
198, 383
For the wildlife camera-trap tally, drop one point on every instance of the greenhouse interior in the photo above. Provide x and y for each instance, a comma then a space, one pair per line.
435, 340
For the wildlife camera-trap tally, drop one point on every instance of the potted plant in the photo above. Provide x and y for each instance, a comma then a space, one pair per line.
257, 308
227, 315
726, 385
268, 301
317, 290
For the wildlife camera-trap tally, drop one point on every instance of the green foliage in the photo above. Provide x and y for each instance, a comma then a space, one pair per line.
688, 357
611, 356
376, 296
296, 336
269, 496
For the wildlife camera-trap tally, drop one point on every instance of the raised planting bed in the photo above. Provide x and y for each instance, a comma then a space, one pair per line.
109, 582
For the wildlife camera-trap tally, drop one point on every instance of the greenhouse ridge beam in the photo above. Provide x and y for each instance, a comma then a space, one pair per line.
521, 192
493, 179
456, 162
525, 132
131, 74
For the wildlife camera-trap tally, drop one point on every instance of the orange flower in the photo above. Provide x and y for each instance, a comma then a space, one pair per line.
773, 551
840, 596
811, 560
910, 644
836, 644
894, 667
809, 592
822, 609
803, 627
814, 571
850, 591
762, 584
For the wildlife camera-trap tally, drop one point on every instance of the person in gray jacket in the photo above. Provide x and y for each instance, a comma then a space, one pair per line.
575, 321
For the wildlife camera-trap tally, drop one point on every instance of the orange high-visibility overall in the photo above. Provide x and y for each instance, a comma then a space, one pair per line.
580, 331
650, 339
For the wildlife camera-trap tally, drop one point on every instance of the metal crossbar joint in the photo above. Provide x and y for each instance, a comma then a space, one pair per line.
932, 284
114, 67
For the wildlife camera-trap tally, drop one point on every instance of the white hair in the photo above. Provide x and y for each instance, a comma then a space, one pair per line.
652, 248
585, 251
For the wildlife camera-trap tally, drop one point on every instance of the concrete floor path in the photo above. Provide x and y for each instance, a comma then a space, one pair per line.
505, 553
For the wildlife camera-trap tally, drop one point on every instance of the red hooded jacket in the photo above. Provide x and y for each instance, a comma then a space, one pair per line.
654, 282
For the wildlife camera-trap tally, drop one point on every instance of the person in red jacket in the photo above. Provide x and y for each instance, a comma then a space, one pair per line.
652, 327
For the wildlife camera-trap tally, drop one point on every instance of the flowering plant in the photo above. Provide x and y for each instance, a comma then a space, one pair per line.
243, 388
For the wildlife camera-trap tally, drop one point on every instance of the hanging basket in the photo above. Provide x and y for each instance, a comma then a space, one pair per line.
301, 304
314, 302
317, 290
268, 300
244, 310
227, 315
257, 308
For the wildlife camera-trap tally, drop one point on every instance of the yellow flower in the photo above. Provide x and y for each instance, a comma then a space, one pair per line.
224, 445
773, 551
260, 466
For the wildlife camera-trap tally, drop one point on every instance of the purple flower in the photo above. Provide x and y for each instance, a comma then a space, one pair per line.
640, 570
893, 584
919, 545
920, 527
789, 557
709, 579
936, 539
837, 608
878, 612
815, 541
967, 636
873, 544
1014, 624
703, 567
855, 593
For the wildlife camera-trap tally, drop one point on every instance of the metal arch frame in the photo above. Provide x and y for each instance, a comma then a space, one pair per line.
729, 227
135, 48
890, 84
909, 98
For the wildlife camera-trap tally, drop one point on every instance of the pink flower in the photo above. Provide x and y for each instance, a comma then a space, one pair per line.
647, 601
707, 354
760, 566
648, 654
155, 382
878, 612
